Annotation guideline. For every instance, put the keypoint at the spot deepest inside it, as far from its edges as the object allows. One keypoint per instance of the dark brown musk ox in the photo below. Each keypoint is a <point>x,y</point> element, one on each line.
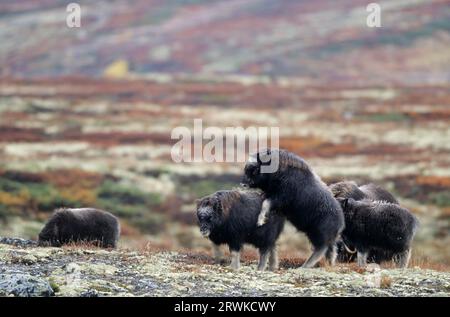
<point>74,225</point>
<point>229,217</point>
<point>297,192</point>
<point>350,189</point>
<point>378,225</point>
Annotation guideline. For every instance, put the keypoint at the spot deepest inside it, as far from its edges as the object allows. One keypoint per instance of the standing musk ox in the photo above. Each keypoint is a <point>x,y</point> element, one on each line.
<point>80,225</point>
<point>229,217</point>
<point>379,225</point>
<point>349,189</point>
<point>295,191</point>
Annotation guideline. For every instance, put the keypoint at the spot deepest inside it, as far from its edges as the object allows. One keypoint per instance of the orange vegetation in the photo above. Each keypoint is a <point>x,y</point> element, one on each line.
<point>438,181</point>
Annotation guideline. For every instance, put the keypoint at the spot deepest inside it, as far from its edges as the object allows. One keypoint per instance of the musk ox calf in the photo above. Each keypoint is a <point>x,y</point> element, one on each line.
<point>295,191</point>
<point>349,189</point>
<point>229,217</point>
<point>80,225</point>
<point>377,225</point>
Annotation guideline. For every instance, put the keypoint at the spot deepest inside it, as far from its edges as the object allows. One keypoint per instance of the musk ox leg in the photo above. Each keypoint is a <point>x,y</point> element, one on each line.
<point>235,259</point>
<point>402,259</point>
<point>263,258</point>
<point>362,257</point>
<point>273,259</point>
<point>331,255</point>
<point>217,253</point>
<point>315,257</point>
<point>265,209</point>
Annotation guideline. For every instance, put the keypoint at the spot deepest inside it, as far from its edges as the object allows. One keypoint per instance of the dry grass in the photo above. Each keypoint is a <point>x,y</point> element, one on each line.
<point>136,115</point>
<point>84,245</point>
<point>424,264</point>
<point>385,282</point>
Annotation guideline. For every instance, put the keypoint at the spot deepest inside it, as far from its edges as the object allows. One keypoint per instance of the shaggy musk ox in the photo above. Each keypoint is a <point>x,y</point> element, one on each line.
<point>349,189</point>
<point>295,191</point>
<point>80,225</point>
<point>229,217</point>
<point>379,225</point>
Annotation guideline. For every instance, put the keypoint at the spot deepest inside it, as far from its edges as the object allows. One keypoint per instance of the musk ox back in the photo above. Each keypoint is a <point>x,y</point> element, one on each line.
<point>378,225</point>
<point>230,216</point>
<point>81,225</point>
<point>349,189</point>
<point>295,191</point>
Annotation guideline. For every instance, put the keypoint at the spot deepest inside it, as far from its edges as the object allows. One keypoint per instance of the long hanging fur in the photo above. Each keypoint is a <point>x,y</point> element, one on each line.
<point>379,225</point>
<point>298,193</point>
<point>229,217</point>
<point>350,189</point>
<point>68,225</point>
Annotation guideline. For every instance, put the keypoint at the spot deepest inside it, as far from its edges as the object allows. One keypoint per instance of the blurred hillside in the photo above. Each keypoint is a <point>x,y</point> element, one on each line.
<point>84,142</point>
<point>311,41</point>
<point>86,114</point>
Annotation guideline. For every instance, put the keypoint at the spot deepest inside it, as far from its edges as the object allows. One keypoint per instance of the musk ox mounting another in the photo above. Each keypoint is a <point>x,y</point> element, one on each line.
<point>349,189</point>
<point>81,225</point>
<point>377,225</point>
<point>295,191</point>
<point>230,216</point>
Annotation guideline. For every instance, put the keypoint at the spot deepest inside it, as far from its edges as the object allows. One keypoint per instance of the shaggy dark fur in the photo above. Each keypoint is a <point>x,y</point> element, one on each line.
<point>379,225</point>
<point>229,217</point>
<point>81,225</point>
<point>349,189</point>
<point>297,192</point>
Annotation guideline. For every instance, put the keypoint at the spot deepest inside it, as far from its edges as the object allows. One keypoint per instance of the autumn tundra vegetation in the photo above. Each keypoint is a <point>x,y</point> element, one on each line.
<point>105,144</point>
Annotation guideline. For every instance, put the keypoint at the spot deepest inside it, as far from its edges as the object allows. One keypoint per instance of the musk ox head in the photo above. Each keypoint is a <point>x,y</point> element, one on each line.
<point>48,234</point>
<point>256,177</point>
<point>210,213</point>
<point>344,189</point>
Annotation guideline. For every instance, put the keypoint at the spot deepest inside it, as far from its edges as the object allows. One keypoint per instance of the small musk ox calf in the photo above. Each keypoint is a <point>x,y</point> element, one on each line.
<point>80,224</point>
<point>379,225</point>
<point>349,189</point>
<point>229,217</point>
<point>295,191</point>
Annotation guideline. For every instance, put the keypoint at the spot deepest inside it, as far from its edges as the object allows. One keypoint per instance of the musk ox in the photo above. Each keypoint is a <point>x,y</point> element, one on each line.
<point>349,189</point>
<point>378,225</point>
<point>229,217</point>
<point>295,191</point>
<point>68,225</point>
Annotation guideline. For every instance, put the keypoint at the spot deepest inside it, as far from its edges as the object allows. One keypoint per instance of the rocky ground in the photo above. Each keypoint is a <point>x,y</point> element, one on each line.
<point>27,270</point>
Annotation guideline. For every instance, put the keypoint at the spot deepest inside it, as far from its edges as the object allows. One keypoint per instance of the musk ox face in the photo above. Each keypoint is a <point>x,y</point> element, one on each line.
<point>253,177</point>
<point>43,239</point>
<point>344,189</point>
<point>208,214</point>
<point>48,235</point>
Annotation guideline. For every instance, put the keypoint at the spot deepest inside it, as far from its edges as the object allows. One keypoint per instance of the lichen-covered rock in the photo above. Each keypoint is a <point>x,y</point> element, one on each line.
<point>24,285</point>
<point>18,242</point>
<point>93,272</point>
